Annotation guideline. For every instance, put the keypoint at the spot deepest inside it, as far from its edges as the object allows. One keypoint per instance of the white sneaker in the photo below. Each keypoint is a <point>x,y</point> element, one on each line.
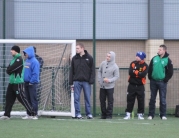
<point>4,118</point>
<point>127,117</point>
<point>35,117</point>
<point>149,118</point>
<point>140,117</point>
<point>164,118</point>
<point>27,117</point>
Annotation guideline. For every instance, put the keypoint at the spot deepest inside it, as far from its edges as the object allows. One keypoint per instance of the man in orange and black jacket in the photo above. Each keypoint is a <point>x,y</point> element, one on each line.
<point>137,78</point>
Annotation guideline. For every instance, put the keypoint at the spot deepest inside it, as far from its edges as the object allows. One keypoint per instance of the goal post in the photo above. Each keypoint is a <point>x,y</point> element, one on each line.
<point>54,93</point>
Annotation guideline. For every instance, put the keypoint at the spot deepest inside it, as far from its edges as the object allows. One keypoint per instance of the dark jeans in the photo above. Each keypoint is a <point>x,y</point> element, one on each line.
<point>154,87</point>
<point>133,92</point>
<point>31,94</point>
<point>106,94</point>
<point>13,91</point>
<point>78,85</point>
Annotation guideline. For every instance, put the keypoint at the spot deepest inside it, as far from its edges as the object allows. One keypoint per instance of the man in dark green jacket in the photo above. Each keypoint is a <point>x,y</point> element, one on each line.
<point>159,73</point>
<point>16,82</point>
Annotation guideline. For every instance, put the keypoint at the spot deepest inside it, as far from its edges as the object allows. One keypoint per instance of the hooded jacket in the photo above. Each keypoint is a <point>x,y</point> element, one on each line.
<point>32,67</point>
<point>160,68</point>
<point>110,70</point>
<point>15,70</point>
<point>82,69</point>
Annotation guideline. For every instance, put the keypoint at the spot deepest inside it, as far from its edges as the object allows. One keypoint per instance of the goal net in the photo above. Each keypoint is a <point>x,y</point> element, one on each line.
<point>54,93</point>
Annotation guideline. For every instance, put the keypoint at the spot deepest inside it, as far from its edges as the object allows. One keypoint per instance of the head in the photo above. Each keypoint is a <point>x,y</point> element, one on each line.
<point>80,48</point>
<point>29,52</point>
<point>110,57</point>
<point>15,50</point>
<point>162,49</point>
<point>140,56</point>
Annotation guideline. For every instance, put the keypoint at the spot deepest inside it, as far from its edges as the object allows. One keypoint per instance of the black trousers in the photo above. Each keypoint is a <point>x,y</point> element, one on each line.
<point>106,94</point>
<point>133,92</point>
<point>13,91</point>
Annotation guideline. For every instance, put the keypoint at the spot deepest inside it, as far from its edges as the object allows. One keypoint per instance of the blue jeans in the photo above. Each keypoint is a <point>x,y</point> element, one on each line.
<point>154,87</point>
<point>78,85</point>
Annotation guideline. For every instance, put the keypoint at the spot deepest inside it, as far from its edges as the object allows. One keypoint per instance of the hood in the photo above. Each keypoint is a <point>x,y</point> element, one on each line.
<point>112,60</point>
<point>30,52</point>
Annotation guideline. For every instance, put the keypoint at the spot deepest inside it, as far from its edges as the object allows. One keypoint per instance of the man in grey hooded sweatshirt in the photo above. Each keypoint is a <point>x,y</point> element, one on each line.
<point>108,73</point>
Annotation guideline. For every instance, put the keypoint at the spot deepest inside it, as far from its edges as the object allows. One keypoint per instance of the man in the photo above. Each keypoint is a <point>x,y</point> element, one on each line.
<point>137,78</point>
<point>160,71</point>
<point>108,73</point>
<point>82,75</point>
<point>16,84</point>
<point>31,78</point>
<point>41,62</point>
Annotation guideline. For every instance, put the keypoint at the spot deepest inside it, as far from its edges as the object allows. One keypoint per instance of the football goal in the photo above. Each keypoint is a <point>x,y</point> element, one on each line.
<point>55,97</point>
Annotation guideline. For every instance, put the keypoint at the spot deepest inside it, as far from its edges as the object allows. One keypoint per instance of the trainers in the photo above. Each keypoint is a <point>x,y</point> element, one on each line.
<point>127,117</point>
<point>4,118</point>
<point>89,117</point>
<point>149,118</point>
<point>164,118</point>
<point>35,117</point>
<point>27,117</point>
<point>140,117</point>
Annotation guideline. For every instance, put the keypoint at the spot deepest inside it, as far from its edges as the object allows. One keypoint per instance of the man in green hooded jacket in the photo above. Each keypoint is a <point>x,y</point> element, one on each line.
<point>16,82</point>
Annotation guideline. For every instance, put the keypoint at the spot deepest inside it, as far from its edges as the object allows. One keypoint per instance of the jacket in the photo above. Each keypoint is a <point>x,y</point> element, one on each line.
<point>167,68</point>
<point>137,72</point>
<point>110,70</point>
<point>82,69</point>
<point>15,70</point>
<point>32,67</point>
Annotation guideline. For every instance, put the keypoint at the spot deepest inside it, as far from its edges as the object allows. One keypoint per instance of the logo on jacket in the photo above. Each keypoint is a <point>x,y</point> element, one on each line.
<point>17,60</point>
<point>87,59</point>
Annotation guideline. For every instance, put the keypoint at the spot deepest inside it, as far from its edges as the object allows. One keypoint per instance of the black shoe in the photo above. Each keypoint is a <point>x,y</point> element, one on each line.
<point>89,117</point>
<point>103,117</point>
<point>108,117</point>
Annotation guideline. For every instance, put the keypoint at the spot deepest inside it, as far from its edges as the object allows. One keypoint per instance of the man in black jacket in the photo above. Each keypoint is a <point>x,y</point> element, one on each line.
<point>82,75</point>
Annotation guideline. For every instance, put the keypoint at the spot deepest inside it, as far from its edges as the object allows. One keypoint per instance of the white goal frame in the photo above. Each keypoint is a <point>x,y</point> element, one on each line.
<point>42,112</point>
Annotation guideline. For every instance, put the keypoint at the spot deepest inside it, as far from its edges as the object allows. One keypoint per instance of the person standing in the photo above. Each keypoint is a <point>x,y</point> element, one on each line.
<point>16,84</point>
<point>137,78</point>
<point>41,62</point>
<point>108,73</point>
<point>31,78</point>
<point>82,75</point>
<point>160,71</point>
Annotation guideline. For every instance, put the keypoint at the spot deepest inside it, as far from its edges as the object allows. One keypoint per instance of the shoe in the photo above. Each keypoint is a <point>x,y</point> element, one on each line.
<point>108,117</point>
<point>164,118</point>
<point>35,117</point>
<point>127,117</point>
<point>103,117</point>
<point>78,117</point>
<point>27,117</point>
<point>149,118</point>
<point>89,117</point>
<point>140,117</point>
<point>4,118</point>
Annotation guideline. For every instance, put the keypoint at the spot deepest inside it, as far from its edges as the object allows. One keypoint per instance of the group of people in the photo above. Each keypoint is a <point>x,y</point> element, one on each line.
<point>82,75</point>
<point>23,76</point>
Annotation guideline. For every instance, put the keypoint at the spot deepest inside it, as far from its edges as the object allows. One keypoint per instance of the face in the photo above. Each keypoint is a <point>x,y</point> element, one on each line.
<point>79,49</point>
<point>138,58</point>
<point>161,51</point>
<point>108,57</point>
<point>25,55</point>
<point>13,53</point>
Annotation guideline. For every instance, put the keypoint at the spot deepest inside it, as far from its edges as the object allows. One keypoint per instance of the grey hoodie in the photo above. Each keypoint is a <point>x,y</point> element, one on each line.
<point>108,70</point>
